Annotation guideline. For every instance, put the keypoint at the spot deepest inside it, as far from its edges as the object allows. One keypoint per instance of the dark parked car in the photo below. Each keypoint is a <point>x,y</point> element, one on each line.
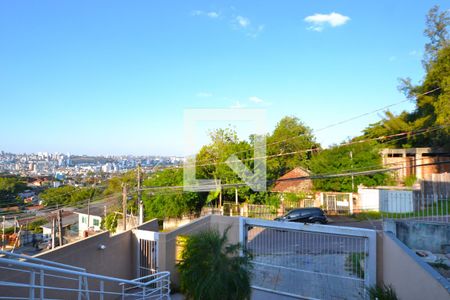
<point>305,215</point>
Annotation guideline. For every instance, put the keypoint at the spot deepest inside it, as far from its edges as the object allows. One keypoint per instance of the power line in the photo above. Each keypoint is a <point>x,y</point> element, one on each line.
<point>316,176</point>
<point>405,134</point>
<point>341,122</point>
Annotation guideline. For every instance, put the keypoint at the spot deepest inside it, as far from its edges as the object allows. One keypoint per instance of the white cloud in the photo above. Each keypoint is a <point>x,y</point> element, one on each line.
<point>259,101</point>
<point>319,21</point>
<point>242,21</point>
<point>415,53</point>
<point>255,99</point>
<point>203,94</point>
<point>209,14</point>
<point>237,104</point>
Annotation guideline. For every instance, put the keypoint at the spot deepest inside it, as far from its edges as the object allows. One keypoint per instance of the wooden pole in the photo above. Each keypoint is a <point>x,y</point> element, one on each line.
<point>124,206</point>
<point>139,196</point>
<point>60,227</point>
<point>53,231</point>
<point>3,234</point>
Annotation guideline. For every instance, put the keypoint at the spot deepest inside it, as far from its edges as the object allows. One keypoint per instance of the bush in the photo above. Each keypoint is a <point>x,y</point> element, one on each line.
<point>110,222</point>
<point>385,292</point>
<point>410,180</point>
<point>212,269</point>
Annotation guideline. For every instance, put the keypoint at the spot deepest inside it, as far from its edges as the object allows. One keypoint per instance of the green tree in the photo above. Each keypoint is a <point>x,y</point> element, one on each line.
<point>338,160</point>
<point>9,188</point>
<point>169,202</point>
<point>110,222</point>
<point>290,135</point>
<point>431,96</point>
<point>211,269</point>
<point>211,160</point>
<point>66,195</point>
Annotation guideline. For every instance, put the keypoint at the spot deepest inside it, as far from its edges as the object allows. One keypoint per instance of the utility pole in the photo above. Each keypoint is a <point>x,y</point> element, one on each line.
<point>53,231</point>
<point>60,227</point>
<point>15,224</point>
<point>89,206</point>
<point>139,196</point>
<point>124,205</point>
<point>353,182</point>
<point>3,234</point>
<point>236,196</point>
<point>220,197</point>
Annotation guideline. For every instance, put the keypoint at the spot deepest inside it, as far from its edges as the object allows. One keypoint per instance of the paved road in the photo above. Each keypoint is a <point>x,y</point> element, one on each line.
<point>351,222</point>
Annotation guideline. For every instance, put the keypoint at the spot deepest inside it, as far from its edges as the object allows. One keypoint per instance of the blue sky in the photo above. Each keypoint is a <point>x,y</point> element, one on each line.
<point>114,77</point>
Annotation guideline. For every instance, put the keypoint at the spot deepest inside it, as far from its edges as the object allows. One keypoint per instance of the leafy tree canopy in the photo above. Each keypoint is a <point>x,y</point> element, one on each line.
<point>431,96</point>
<point>66,195</point>
<point>290,135</point>
<point>168,202</point>
<point>364,156</point>
<point>9,188</point>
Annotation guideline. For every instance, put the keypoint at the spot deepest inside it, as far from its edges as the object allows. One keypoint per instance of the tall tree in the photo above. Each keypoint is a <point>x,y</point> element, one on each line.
<point>292,140</point>
<point>432,96</point>
<point>347,159</point>
<point>169,202</point>
<point>211,159</point>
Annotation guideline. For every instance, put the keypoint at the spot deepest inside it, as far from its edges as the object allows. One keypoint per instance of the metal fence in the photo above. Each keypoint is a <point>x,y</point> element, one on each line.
<point>264,212</point>
<point>310,261</point>
<point>432,207</point>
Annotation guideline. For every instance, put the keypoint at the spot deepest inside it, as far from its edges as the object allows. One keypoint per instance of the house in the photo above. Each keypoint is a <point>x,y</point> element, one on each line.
<point>291,183</point>
<point>69,224</point>
<point>90,220</point>
<point>418,162</point>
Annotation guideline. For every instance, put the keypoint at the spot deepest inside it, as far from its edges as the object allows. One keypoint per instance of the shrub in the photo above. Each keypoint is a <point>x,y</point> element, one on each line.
<point>210,268</point>
<point>384,292</point>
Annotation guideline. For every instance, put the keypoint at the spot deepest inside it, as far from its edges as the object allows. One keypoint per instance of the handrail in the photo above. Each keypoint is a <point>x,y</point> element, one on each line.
<point>72,272</point>
<point>30,258</point>
<point>152,275</point>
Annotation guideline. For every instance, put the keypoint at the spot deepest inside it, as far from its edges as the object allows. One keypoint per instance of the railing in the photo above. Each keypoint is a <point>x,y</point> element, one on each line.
<point>41,279</point>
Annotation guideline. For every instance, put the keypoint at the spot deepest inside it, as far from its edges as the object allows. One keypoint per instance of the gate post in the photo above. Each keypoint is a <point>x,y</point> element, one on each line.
<point>371,278</point>
<point>242,235</point>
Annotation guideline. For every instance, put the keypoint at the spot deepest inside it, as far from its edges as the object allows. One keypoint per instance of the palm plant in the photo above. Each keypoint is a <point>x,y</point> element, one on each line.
<point>210,268</point>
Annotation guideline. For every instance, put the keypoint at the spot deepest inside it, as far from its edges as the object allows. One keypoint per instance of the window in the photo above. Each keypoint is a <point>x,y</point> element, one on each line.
<point>83,220</point>
<point>96,222</point>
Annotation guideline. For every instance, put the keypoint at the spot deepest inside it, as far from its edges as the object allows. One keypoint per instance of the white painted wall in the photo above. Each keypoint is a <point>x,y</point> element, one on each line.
<point>94,223</point>
<point>393,201</point>
<point>369,199</point>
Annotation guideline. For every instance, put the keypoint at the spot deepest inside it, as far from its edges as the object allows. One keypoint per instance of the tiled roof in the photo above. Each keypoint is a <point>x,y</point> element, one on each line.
<point>295,185</point>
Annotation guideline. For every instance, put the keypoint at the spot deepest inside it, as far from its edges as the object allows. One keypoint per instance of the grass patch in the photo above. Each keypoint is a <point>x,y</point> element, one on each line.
<point>371,215</point>
<point>438,208</point>
<point>354,263</point>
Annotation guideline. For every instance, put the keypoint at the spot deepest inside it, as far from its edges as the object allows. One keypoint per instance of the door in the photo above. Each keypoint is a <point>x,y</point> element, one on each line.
<point>147,252</point>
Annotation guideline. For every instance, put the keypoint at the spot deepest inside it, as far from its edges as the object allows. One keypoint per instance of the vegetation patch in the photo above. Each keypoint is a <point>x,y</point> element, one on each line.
<point>355,263</point>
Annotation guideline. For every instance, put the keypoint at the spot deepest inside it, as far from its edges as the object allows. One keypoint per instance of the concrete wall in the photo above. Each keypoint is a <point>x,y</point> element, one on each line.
<point>423,235</point>
<point>168,240</point>
<point>151,225</point>
<point>410,277</point>
<point>114,261</point>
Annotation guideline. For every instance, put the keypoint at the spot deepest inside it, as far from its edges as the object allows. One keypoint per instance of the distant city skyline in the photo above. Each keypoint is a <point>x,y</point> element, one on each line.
<point>114,78</point>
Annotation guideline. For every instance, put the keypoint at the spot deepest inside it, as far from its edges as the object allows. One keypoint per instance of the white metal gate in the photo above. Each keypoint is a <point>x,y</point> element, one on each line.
<point>310,261</point>
<point>147,252</point>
